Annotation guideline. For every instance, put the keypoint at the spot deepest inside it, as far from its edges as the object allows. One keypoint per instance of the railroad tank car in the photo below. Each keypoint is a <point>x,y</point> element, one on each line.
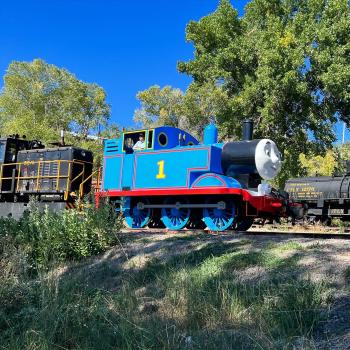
<point>178,182</point>
<point>56,176</point>
<point>322,197</point>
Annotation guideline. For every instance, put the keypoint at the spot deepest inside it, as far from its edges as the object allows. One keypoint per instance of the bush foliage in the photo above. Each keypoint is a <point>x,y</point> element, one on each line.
<point>48,237</point>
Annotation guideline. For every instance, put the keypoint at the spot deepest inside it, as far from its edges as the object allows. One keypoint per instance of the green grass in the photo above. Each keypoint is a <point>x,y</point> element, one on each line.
<point>216,296</point>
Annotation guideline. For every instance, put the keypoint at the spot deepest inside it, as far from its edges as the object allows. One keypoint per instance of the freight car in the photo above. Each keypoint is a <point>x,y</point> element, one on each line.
<point>321,197</point>
<point>55,176</point>
<point>178,182</point>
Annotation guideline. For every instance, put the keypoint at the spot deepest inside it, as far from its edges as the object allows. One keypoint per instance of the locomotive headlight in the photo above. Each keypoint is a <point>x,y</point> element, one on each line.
<point>267,159</point>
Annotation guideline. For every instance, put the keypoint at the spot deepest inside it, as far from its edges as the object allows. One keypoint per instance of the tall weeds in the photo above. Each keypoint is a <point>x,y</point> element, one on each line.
<point>48,237</point>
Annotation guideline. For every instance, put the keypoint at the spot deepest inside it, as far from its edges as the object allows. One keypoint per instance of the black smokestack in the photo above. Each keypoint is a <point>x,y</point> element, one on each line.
<point>247,130</point>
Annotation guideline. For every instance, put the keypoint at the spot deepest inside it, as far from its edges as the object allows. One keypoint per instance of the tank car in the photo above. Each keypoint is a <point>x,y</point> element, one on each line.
<point>179,182</point>
<point>56,176</point>
<point>321,197</point>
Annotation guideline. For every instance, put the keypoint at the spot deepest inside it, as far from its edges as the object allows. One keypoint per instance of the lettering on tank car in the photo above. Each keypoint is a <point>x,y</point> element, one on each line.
<point>303,190</point>
<point>296,187</point>
<point>336,211</point>
<point>307,189</point>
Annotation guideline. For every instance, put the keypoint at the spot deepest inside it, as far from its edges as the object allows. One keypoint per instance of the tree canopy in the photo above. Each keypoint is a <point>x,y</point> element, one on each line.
<point>39,99</point>
<point>170,106</point>
<point>284,63</point>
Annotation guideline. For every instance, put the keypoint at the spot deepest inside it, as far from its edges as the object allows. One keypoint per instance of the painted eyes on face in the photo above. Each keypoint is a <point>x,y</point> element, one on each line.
<point>268,149</point>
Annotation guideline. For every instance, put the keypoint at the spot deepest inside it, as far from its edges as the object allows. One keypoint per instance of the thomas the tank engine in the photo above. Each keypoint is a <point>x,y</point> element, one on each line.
<point>177,181</point>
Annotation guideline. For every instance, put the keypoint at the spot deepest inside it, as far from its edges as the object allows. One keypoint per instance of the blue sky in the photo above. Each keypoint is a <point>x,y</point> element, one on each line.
<point>124,46</point>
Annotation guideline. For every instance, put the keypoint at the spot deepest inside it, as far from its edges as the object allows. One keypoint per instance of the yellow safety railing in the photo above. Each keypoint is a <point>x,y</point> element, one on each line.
<point>81,187</point>
<point>38,177</point>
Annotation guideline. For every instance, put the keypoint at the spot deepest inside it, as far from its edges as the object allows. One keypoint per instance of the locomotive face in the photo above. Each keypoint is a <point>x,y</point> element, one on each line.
<point>267,159</point>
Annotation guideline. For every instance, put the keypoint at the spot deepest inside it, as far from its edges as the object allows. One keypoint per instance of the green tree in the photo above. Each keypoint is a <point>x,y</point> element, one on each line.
<point>160,107</point>
<point>40,99</point>
<point>169,106</point>
<point>319,165</point>
<point>202,103</point>
<point>342,155</point>
<point>286,64</point>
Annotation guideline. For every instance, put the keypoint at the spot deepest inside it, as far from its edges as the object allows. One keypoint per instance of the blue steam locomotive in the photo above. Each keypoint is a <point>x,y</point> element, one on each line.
<point>174,180</point>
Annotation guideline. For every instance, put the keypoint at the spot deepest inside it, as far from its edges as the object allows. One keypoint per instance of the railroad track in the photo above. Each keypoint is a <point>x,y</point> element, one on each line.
<point>306,234</point>
<point>331,233</point>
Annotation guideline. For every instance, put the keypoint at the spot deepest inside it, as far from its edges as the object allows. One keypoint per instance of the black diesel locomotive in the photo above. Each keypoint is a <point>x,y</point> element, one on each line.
<point>55,176</point>
<point>321,197</point>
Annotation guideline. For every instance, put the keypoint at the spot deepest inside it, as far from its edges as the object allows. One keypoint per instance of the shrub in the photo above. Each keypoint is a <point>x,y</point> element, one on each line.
<point>49,237</point>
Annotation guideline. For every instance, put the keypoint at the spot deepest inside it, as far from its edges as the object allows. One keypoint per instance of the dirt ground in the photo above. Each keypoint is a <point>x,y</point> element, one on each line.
<point>320,259</point>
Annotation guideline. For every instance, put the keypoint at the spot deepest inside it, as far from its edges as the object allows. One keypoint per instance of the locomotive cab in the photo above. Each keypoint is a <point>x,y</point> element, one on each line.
<point>160,138</point>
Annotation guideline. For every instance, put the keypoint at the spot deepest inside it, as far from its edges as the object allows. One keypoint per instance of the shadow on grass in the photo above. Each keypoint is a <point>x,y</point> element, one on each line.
<point>217,295</point>
<point>159,268</point>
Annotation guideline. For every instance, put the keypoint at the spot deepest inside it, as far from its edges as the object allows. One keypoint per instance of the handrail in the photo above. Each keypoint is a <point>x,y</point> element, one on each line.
<point>39,166</point>
<point>58,176</point>
<point>80,174</point>
<point>81,187</point>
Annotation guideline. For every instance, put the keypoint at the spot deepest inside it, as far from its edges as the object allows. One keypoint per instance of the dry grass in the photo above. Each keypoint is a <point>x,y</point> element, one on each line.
<point>171,292</point>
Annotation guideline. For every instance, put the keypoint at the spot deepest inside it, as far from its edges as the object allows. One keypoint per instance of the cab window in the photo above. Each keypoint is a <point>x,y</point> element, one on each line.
<point>134,141</point>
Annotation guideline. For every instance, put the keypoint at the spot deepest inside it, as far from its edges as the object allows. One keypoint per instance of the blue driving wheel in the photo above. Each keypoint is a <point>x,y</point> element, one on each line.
<point>136,216</point>
<point>219,219</point>
<point>175,218</point>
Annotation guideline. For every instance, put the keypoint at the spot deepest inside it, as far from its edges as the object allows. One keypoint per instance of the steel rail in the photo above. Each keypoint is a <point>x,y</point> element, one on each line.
<point>304,234</point>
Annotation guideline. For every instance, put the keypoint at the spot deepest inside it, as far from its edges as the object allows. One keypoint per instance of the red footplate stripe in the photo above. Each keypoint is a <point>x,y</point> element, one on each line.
<point>170,192</point>
<point>267,204</point>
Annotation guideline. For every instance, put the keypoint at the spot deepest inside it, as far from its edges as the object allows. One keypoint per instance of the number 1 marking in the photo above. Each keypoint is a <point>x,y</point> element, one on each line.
<point>161,174</point>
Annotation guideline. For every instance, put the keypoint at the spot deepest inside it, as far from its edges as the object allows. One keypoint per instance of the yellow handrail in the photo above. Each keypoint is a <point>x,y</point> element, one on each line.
<point>80,174</point>
<point>81,187</point>
<point>19,171</point>
<point>58,175</point>
<point>68,180</point>
<point>39,176</point>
